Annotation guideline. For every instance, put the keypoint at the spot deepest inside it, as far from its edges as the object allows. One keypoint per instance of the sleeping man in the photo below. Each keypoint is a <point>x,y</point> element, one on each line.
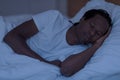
<point>53,39</point>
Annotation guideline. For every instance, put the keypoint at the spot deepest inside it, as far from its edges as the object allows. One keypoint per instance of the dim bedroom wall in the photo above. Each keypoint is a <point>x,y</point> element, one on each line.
<point>13,7</point>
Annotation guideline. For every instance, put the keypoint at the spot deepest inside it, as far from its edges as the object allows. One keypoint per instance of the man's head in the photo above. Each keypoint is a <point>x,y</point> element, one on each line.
<point>91,13</point>
<point>93,25</point>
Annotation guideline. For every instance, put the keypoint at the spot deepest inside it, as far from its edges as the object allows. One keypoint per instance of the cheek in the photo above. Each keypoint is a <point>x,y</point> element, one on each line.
<point>95,38</point>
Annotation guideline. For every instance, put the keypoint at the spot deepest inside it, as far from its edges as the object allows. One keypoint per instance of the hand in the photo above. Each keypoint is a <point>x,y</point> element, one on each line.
<point>100,41</point>
<point>56,62</point>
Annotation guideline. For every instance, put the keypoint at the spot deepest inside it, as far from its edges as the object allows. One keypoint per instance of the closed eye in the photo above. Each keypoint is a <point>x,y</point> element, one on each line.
<point>98,33</point>
<point>92,25</point>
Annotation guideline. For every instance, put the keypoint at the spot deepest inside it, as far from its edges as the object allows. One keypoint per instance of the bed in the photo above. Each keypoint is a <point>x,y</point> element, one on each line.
<point>104,65</point>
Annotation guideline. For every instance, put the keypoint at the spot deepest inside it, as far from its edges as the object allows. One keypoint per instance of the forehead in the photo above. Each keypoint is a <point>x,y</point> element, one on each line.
<point>98,19</point>
<point>100,22</point>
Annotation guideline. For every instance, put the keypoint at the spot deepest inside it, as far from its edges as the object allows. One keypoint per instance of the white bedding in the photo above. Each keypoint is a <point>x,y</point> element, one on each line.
<point>104,65</point>
<point>18,67</point>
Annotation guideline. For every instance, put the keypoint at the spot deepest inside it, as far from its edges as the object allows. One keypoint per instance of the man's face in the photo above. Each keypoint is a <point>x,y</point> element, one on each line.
<point>92,29</point>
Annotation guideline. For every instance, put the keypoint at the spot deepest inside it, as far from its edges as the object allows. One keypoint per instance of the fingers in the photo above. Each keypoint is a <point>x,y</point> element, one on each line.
<point>105,36</point>
<point>108,32</point>
<point>101,39</point>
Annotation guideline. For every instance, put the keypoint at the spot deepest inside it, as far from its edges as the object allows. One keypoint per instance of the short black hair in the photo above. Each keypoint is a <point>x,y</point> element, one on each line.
<point>93,12</point>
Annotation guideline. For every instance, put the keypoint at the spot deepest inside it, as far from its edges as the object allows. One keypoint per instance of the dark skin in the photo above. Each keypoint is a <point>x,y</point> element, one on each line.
<point>87,31</point>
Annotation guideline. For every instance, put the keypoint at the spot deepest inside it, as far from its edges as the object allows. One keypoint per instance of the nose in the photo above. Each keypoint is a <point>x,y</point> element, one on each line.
<point>92,33</point>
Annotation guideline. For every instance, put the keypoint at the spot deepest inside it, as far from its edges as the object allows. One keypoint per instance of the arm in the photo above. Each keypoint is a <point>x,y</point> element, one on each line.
<point>77,61</point>
<point>16,39</point>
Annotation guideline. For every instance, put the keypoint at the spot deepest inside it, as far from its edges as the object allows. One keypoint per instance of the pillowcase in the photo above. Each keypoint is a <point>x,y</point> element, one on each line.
<point>104,65</point>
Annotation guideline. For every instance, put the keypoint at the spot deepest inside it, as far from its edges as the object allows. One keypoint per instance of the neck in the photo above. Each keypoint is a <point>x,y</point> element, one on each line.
<point>72,37</point>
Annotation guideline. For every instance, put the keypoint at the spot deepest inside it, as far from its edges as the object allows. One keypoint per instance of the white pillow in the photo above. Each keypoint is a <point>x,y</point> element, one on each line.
<point>93,4</point>
<point>104,65</point>
<point>3,47</point>
<point>15,20</point>
<point>2,28</point>
<point>8,22</point>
